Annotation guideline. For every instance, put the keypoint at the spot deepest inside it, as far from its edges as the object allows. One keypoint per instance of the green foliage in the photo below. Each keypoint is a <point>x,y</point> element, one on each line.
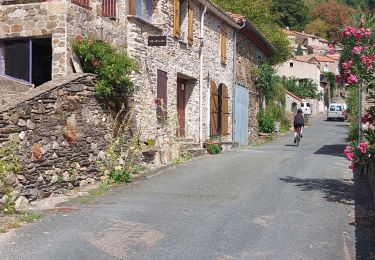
<point>303,89</point>
<point>318,27</point>
<point>120,175</point>
<point>264,80</point>
<point>299,51</point>
<point>331,79</point>
<point>112,66</point>
<point>30,216</point>
<point>291,13</point>
<point>10,163</point>
<point>266,122</point>
<point>185,156</point>
<point>214,148</point>
<point>260,14</point>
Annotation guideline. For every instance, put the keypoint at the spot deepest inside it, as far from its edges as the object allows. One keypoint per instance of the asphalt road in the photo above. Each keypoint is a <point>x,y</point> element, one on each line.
<point>274,201</point>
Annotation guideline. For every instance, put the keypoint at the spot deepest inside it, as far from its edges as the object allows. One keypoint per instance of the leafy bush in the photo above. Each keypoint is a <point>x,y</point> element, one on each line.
<point>266,122</point>
<point>120,175</point>
<point>214,148</point>
<point>113,67</point>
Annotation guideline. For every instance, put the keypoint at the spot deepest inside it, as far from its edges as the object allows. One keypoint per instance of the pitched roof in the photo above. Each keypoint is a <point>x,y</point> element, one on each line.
<point>291,94</point>
<point>322,58</point>
<point>295,33</point>
<point>334,56</point>
<point>253,34</point>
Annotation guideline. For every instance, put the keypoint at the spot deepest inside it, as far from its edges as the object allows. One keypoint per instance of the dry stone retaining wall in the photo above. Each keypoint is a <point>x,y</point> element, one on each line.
<point>46,122</point>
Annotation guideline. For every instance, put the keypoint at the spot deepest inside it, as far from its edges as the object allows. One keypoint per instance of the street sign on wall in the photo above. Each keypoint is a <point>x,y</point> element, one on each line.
<point>157,41</point>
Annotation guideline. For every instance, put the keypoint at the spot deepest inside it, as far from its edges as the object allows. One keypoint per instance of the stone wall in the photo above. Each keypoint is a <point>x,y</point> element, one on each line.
<point>62,130</point>
<point>61,21</point>
<point>180,60</point>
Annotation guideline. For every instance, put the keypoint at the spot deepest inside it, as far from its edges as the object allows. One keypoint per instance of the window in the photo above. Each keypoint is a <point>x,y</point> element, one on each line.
<point>109,8</point>
<point>332,108</point>
<point>223,43</point>
<point>190,24</point>
<point>141,8</point>
<point>307,104</point>
<point>291,64</point>
<point>161,94</point>
<point>81,3</point>
<point>28,60</point>
<point>302,105</point>
<point>338,108</point>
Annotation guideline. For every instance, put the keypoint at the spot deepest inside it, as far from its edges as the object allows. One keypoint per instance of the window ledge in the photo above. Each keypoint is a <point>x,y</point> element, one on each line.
<point>138,19</point>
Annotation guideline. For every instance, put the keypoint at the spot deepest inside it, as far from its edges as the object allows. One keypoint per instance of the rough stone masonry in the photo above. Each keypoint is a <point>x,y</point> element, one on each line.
<point>52,160</point>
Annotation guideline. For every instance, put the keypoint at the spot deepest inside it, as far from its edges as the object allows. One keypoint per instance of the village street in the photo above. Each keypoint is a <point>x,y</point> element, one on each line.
<point>274,201</point>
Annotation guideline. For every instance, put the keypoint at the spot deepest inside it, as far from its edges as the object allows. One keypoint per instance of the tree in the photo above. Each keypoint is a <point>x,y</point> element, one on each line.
<point>318,27</point>
<point>290,13</point>
<point>334,14</point>
<point>259,13</point>
<point>301,88</point>
<point>299,51</point>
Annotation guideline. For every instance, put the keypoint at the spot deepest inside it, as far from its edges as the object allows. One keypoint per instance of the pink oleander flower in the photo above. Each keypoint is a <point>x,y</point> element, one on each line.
<point>350,156</point>
<point>332,51</point>
<point>157,101</point>
<point>95,62</point>
<point>357,50</point>
<point>363,147</point>
<point>80,38</point>
<point>365,118</point>
<point>90,41</point>
<point>352,79</point>
<point>339,79</point>
<point>347,65</point>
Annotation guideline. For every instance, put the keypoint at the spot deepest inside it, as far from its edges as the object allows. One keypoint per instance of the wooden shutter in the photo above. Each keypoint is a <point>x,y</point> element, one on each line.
<point>223,43</point>
<point>162,93</point>
<point>176,18</point>
<point>214,109</point>
<point>190,24</point>
<point>224,109</point>
<point>132,7</point>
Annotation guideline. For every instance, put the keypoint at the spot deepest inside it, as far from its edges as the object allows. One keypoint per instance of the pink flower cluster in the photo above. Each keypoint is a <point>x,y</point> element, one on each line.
<point>352,79</point>
<point>363,147</point>
<point>357,50</point>
<point>357,33</point>
<point>94,62</point>
<point>80,38</point>
<point>367,119</point>
<point>349,153</point>
<point>368,61</point>
<point>157,101</point>
<point>347,65</point>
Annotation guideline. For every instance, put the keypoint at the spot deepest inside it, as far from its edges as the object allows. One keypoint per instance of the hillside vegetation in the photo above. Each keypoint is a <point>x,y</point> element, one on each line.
<point>320,17</point>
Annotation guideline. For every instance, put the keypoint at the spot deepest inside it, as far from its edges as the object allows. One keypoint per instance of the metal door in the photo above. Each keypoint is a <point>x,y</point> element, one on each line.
<point>241,115</point>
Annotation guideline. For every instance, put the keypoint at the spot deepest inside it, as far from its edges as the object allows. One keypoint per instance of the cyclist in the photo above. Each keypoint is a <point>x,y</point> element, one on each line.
<point>299,123</point>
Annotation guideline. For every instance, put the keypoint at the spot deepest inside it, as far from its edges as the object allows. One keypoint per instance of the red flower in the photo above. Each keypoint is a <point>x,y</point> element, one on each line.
<point>95,62</point>
<point>157,101</point>
<point>80,38</point>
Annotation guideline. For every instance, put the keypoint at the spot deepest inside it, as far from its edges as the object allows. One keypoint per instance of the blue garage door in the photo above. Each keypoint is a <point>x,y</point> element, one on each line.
<point>241,115</point>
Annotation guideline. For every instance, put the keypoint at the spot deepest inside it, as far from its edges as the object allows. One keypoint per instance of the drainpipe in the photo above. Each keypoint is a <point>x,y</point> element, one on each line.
<point>234,74</point>
<point>201,37</point>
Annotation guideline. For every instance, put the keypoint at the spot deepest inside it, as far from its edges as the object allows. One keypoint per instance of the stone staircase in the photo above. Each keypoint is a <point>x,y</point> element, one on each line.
<point>11,90</point>
<point>192,148</point>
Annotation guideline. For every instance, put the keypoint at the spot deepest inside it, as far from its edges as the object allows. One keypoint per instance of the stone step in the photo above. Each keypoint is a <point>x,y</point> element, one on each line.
<point>196,152</point>
<point>190,145</point>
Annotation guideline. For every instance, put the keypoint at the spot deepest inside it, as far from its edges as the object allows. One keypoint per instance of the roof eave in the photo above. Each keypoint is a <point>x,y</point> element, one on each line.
<point>259,40</point>
<point>219,13</point>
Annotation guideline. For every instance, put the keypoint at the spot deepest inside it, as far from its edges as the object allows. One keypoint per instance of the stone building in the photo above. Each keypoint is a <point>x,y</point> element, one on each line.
<point>252,49</point>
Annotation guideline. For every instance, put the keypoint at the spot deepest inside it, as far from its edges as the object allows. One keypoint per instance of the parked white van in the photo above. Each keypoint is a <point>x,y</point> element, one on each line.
<point>306,108</point>
<point>336,111</point>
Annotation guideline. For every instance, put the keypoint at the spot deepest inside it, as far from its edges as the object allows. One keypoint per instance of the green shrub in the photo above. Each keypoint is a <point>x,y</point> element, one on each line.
<point>113,67</point>
<point>353,131</point>
<point>214,148</point>
<point>120,175</point>
<point>266,122</point>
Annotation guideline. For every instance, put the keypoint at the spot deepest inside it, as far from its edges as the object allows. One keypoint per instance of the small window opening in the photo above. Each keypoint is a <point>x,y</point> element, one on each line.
<point>291,64</point>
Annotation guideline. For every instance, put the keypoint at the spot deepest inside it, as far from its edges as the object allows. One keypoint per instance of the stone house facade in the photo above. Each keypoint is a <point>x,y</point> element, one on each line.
<point>192,75</point>
<point>196,60</point>
<point>252,49</point>
<point>38,35</point>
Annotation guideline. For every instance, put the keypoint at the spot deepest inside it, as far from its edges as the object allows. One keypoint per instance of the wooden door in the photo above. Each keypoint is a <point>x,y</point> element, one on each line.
<point>181,104</point>
<point>214,109</point>
<point>223,110</point>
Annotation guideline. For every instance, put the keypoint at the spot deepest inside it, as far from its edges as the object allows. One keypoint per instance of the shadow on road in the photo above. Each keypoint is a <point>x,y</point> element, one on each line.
<point>291,145</point>
<point>333,150</point>
<point>349,192</point>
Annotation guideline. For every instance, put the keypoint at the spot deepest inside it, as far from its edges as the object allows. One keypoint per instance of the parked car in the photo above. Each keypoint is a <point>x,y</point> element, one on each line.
<point>336,111</point>
<point>306,108</point>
